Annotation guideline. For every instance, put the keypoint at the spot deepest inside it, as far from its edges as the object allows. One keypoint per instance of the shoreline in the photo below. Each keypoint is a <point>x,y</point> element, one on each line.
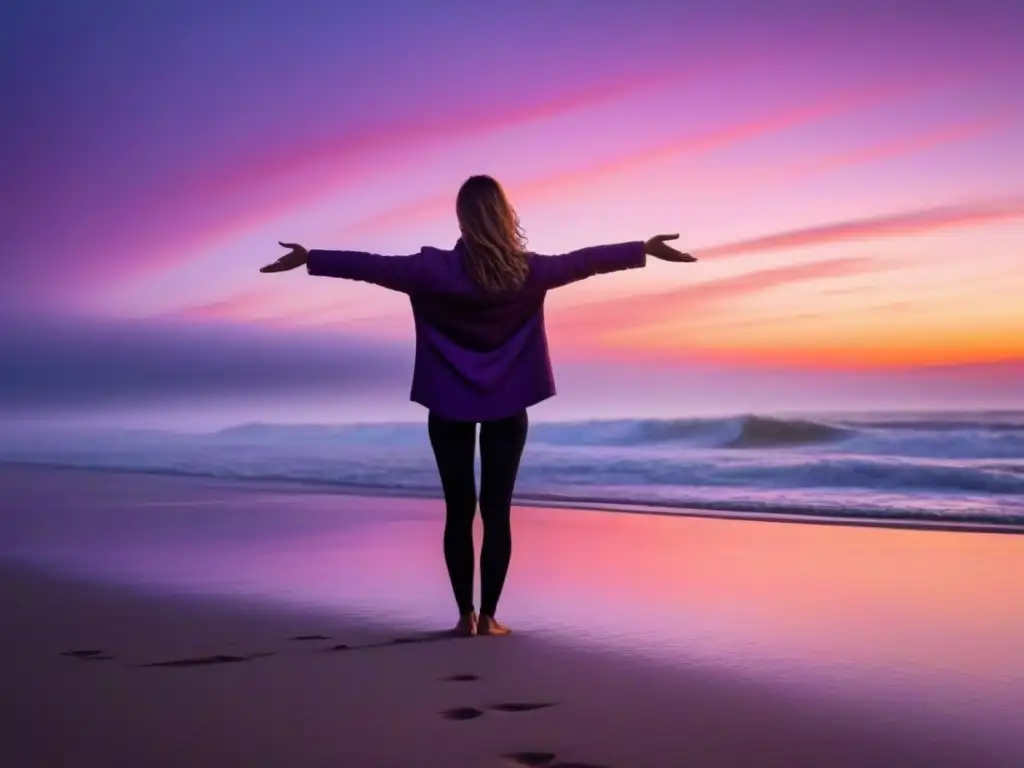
<point>540,501</point>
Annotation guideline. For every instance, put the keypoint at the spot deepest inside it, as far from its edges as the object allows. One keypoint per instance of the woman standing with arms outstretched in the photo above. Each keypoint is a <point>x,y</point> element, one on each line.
<point>481,358</point>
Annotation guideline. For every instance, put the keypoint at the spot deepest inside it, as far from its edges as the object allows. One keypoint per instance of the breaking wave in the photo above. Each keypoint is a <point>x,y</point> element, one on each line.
<point>964,466</point>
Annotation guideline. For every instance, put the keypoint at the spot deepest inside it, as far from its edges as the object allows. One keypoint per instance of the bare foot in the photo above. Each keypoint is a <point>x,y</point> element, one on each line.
<point>467,626</point>
<point>488,625</point>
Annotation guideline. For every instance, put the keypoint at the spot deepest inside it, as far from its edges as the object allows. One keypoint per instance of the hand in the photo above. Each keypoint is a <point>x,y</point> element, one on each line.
<point>656,247</point>
<point>297,257</point>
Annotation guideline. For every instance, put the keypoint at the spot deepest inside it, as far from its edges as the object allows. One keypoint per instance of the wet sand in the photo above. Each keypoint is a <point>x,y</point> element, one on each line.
<point>715,643</point>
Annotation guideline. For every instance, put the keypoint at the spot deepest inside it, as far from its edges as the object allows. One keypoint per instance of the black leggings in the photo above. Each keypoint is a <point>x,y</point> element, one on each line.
<point>501,446</point>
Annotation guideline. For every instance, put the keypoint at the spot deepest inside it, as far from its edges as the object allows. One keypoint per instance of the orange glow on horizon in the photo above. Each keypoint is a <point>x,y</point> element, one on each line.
<point>846,352</point>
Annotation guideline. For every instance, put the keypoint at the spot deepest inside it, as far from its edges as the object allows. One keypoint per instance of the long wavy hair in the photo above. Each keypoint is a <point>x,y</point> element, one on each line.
<point>493,236</point>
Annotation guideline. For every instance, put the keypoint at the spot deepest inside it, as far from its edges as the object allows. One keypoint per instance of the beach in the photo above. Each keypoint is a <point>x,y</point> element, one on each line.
<point>164,621</point>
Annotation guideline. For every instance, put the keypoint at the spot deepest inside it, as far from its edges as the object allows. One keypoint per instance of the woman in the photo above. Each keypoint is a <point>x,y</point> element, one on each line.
<point>481,358</point>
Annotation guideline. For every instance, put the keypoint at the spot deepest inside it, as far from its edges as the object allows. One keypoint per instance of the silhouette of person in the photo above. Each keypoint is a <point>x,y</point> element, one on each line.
<point>481,358</point>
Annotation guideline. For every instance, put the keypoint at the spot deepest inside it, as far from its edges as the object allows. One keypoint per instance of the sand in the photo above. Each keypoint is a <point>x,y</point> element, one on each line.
<point>181,681</point>
<point>100,674</point>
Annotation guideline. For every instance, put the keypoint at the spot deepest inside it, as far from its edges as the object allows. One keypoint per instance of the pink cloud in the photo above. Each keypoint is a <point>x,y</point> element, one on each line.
<point>888,225</point>
<point>891,149</point>
<point>248,305</point>
<point>240,198</point>
<point>588,322</point>
<point>168,226</point>
<point>410,135</point>
<point>709,141</point>
<point>279,307</point>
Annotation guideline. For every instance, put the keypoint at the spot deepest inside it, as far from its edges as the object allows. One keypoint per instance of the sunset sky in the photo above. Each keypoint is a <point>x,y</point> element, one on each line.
<point>850,175</point>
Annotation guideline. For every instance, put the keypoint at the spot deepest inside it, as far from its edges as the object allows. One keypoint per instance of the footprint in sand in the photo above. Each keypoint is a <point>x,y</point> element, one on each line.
<point>462,678</point>
<point>531,759</point>
<point>429,637</point>
<point>471,713</point>
<point>544,760</point>
<point>87,654</point>
<point>382,644</point>
<point>462,713</point>
<point>203,661</point>
<point>522,706</point>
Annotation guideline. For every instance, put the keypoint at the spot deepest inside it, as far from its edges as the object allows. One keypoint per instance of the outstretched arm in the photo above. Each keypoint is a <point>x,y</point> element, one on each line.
<point>399,273</point>
<point>556,271</point>
<point>566,268</point>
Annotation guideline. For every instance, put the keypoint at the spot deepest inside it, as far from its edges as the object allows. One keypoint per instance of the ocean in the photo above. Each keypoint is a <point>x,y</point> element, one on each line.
<point>939,467</point>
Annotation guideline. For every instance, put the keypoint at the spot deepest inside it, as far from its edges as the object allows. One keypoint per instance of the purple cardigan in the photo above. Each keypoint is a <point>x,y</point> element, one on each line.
<point>478,357</point>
